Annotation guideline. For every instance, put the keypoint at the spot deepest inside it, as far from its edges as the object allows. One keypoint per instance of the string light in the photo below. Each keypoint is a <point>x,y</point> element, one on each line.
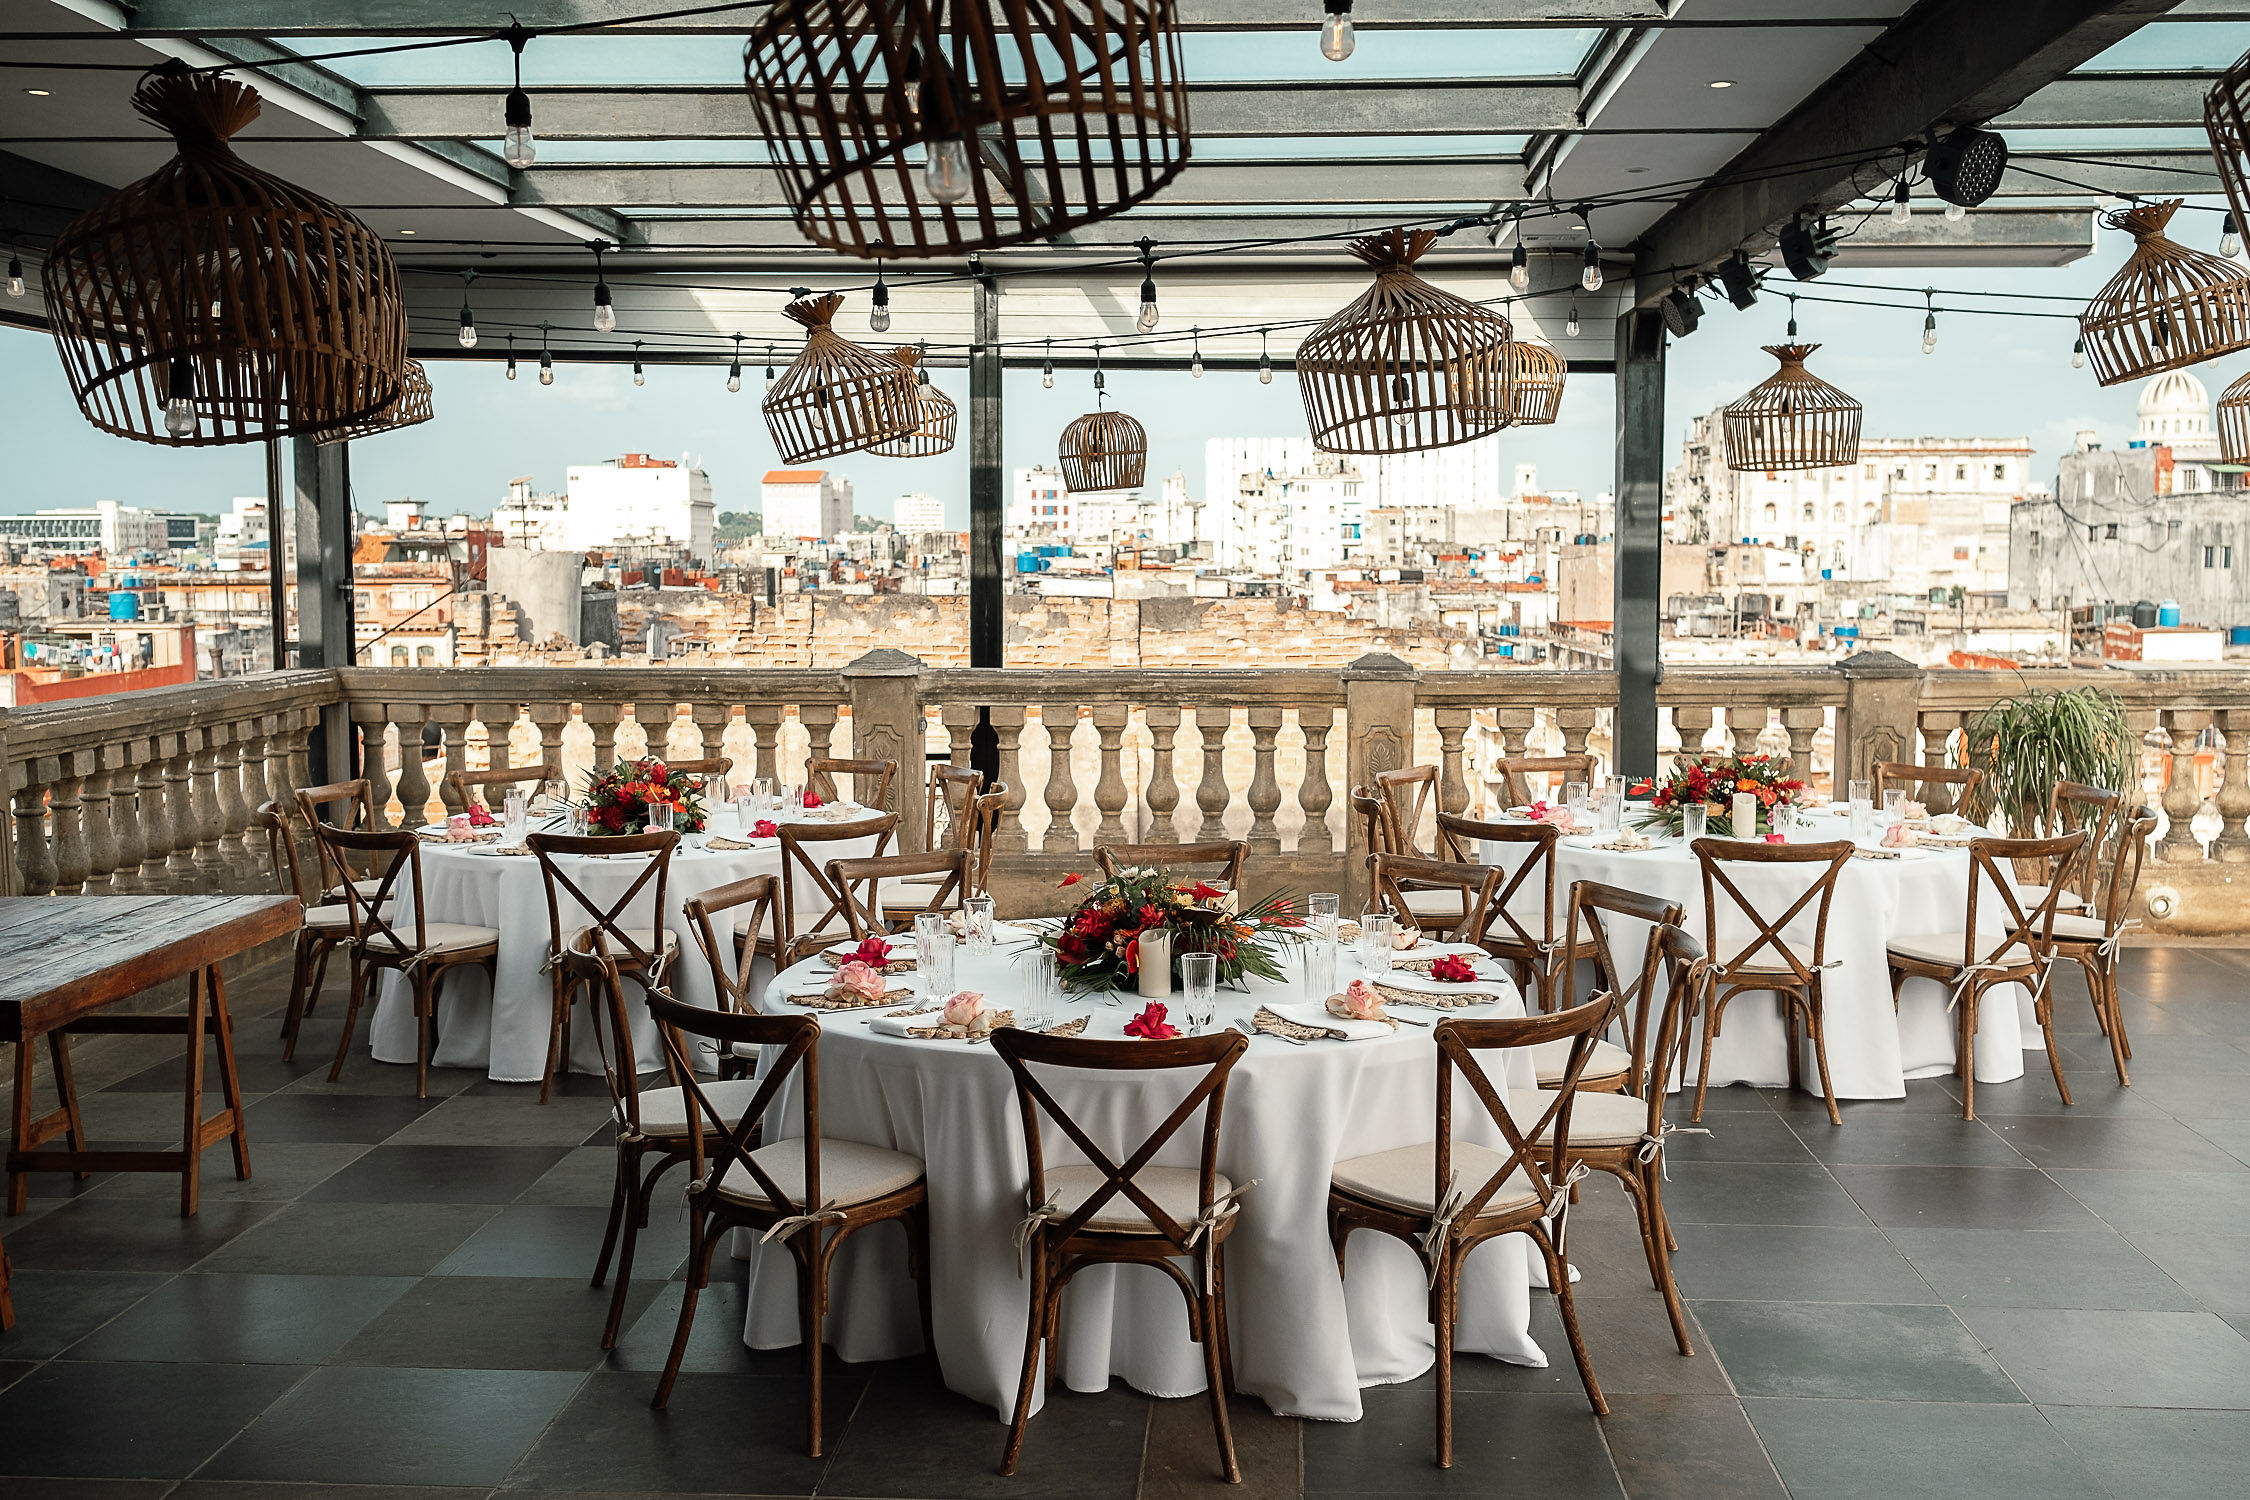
<point>1047,367</point>
<point>1792,317</point>
<point>734,371</point>
<point>546,360</point>
<point>2078,354</point>
<point>517,146</point>
<point>879,313</point>
<point>1591,277</point>
<point>1195,360</point>
<point>921,369</point>
<point>15,273</point>
<point>605,312</point>
<point>1902,212</point>
<point>511,356</point>
<point>1519,262</point>
<point>179,407</point>
<point>945,172</point>
<point>1929,322</point>
<point>640,376</point>
<point>769,362</point>
<point>1146,321</point>
<point>1265,365</point>
<point>1100,382</point>
<point>2230,236</point>
<point>1570,324</point>
<point>1955,213</point>
<point>468,334</point>
<point>1336,31</point>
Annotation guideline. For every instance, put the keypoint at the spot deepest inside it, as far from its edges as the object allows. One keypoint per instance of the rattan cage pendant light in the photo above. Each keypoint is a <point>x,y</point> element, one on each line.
<point>1540,372</point>
<point>1406,366</point>
<point>269,311</point>
<point>2234,422</point>
<point>2170,307</point>
<point>1792,420</point>
<point>837,397</point>
<point>1103,450</point>
<point>414,406</point>
<point>2226,119</point>
<point>935,127</point>
<point>933,431</point>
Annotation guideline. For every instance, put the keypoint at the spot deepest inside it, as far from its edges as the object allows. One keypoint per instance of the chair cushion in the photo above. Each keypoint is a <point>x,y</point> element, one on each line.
<point>582,941</point>
<point>1173,1188</point>
<point>1945,948</point>
<point>335,893</point>
<point>2032,895</point>
<point>438,939</point>
<point>1764,961</point>
<point>665,1111</point>
<point>1552,1059</point>
<point>1402,1178</point>
<point>849,1173</point>
<point>1595,1119</point>
<point>1443,902</point>
<point>2071,927</point>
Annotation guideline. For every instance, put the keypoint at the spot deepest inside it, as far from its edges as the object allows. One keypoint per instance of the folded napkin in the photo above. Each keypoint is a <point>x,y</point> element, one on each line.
<point>1316,1018</point>
<point>816,997</point>
<point>1401,988</point>
<point>718,842</point>
<point>1875,854</point>
<point>500,849</point>
<point>905,1022</point>
<point>930,1025</point>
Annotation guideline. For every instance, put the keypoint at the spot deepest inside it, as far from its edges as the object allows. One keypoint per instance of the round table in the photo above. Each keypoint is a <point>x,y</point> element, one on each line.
<point>1304,1339</point>
<point>503,1026</point>
<point>1872,1049</point>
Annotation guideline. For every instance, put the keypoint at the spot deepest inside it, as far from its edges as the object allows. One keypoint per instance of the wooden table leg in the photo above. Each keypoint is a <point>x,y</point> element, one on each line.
<point>66,1088</point>
<point>191,1135</point>
<point>19,1129</point>
<point>230,1084</point>
<point>7,1304</point>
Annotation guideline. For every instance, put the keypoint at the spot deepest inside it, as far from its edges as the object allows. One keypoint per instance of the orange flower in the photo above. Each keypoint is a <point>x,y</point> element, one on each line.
<point>1746,785</point>
<point>1072,878</point>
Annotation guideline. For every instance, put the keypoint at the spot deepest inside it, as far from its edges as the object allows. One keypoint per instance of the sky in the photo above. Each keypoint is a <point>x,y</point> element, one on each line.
<point>1990,376</point>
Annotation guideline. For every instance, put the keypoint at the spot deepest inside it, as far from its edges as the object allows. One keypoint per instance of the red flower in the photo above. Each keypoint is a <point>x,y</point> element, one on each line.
<point>1775,838</point>
<point>764,829</point>
<point>1072,878</point>
<point>652,769</point>
<point>1453,969</point>
<point>1150,1024</point>
<point>870,951</point>
<point>812,799</point>
<point>1203,892</point>
<point>1151,917</point>
<point>479,817</point>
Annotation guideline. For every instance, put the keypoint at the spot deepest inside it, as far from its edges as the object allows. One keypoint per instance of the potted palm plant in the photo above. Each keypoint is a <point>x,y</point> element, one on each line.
<point>2024,745</point>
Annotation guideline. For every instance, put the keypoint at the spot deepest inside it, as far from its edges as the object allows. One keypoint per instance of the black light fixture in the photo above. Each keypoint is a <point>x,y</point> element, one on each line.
<point>546,360</point>
<point>1740,279</point>
<point>1681,310</point>
<point>15,271</point>
<point>605,312</point>
<point>468,334</point>
<point>1265,362</point>
<point>734,371</point>
<point>1195,360</point>
<point>1519,262</point>
<point>511,356</point>
<point>640,376</point>
<point>1590,274</point>
<point>879,309</point>
<point>1806,249</point>
<point>1145,320</point>
<point>1965,168</point>
<point>517,146</point>
<point>1047,367</point>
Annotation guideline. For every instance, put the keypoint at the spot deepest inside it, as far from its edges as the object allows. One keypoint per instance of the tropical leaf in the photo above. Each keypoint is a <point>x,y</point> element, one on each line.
<point>2024,745</point>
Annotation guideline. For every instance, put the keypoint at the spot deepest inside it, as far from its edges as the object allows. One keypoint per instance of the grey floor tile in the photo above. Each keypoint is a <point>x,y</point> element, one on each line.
<point>715,1346</point>
<point>420,1427</point>
<point>279,1172</point>
<point>130,1421</point>
<point>1499,1438</point>
<point>477,1120</point>
<point>125,1235</point>
<point>492,1323</point>
<point>2230,1136</point>
<point>1182,1455</point>
<point>2165,1202</point>
<point>351,1239</point>
<point>438,1174</point>
<point>2213,1269</point>
<point>1688,1448</point>
<point>1849,1351</point>
<point>2077,1357</point>
<point>1730,1099</point>
<point>748,1432</point>
<point>2111,1142</point>
<point>1882,1450</point>
<point>1935,1140</point>
<point>582,1179</point>
<point>251,1320</point>
<point>2159,1455</point>
<point>353,1119</point>
<point>2039,1268</point>
<point>1793,1263</point>
<point>2159,1052</point>
<point>1963,1198</point>
<point>1735,1135</point>
<point>1758,1193</point>
<point>2215,1096</point>
<point>541,1241</point>
<point>2034,1094</point>
<point>55,1309</point>
<point>257,1489</point>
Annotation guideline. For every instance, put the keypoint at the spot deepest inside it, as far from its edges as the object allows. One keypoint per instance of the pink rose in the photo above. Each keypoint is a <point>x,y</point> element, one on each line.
<point>864,980</point>
<point>1403,938</point>
<point>963,1008</point>
<point>1898,836</point>
<point>1914,810</point>
<point>1361,1002</point>
<point>1776,838</point>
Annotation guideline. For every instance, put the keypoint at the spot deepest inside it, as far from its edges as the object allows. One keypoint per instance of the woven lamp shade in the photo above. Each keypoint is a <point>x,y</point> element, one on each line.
<point>1064,111</point>
<point>2226,119</point>
<point>2170,307</point>
<point>2234,422</point>
<point>1792,420</point>
<point>1539,383</point>
<point>283,307</point>
<point>933,432</point>
<point>1104,450</point>
<point>1406,366</point>
<point>837,397</point>
<point>413,406</point>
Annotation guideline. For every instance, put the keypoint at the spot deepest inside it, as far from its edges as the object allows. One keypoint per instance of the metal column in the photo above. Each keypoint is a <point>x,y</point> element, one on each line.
<point>987,506</point>
<point>323,505</point>
<point>277,556</point>
<point>1637,562</point>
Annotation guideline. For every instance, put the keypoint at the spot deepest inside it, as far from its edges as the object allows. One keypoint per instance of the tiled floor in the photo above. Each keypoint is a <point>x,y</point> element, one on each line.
<point>2049,1302</point>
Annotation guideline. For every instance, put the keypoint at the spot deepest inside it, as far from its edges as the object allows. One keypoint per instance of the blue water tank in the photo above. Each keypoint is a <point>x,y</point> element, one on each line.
<point>124,606</point>
<point>2168,613</point>
<point>2238,635</point>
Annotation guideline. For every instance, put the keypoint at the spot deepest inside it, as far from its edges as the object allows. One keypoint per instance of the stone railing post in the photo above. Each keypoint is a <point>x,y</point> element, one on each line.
<point>1379,734</point>
<point>2183,799</point>
<point>1162,796</point>
<point>1882,699</point>
<point>885,687</point>
<point>1314,794</point>
<point>2233,843</point>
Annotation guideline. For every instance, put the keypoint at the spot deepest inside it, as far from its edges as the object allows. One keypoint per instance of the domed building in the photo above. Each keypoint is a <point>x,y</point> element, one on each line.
<point>2175,412</point>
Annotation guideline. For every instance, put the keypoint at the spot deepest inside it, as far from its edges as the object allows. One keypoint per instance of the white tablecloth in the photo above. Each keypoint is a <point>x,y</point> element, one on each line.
<point>502,1026</point>
<point>1303,1339</point>
<point>1872,1051</point>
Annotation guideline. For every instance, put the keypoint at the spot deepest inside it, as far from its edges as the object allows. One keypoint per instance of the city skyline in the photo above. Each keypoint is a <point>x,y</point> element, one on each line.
<point>489,431</point>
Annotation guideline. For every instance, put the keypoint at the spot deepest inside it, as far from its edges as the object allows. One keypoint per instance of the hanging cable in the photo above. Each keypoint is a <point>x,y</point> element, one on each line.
<point>546,360</point>
<point>605,312</point>
<point>1145,320</point>
<point>517,147</point>
<point>734,371</point>
<point>468,333</point>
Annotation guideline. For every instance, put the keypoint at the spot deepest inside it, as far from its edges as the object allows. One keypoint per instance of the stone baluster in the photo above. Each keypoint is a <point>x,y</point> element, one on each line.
<point>1936,729</point>
<point>552,720</point>
<point>1575,724</point>
<point>153,819</point>
<point>960,721</point>
<point>2181,799</point>
<point>1007,726</point>
<point>601,720</point>
<point>1211,723</point>
<point>1264,795</point>
<point>1162,798</point>
<point>127,845</point>
<point>819,721</point>
<point>765,720</point>
<point>207,825</point>
<point>1314,794</point>
<point>710,718</point>
<point>1802,723</point>
<point>66,820</point>
<point>413,771</point>
<point>2233,844</point>
<point>374,720</point>
<point>1061,722</point>
<point>1110,792</point>
<point>1694,721</point>
<point>452,719</point>
<point>1515,726</point>
<point>35,859</point>
<point>231,764</point>
<point>1453,788</point>
<point>101,841</point>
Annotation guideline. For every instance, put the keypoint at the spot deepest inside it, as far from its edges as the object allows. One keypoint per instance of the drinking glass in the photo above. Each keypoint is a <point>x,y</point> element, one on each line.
<point>1320,968</point>
<point>1322,909</point>
<point>1199,982</point>
<point>660,817</point>
<point>1036,1010</point>
<point>976,917</point>
<point>1695,820</point>
<point>1894,806</point>
<point>1611,817</point>
<point>793,801</point>
<point>745,811</point>
<point>578,822</point>
<point>1575,798</point>
<point>555,793</point>
<point>1375,929</point>
<point>517,816</point>
<point>933,954</point>
<point>1784,819</point>
<point>761,792</point>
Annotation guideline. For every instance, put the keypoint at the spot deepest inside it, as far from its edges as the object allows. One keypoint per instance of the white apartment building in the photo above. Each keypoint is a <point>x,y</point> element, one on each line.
<point>636,500</point>
<point>1279,506</point>
<point>1038,497</point>
<point>244,537</point>
<point>917,514</point>
<point>534,521</point>
<point>107,527</point>
<point>806,503</point>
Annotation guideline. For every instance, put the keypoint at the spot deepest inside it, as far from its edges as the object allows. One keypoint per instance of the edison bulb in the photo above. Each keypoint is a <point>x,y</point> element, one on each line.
<point>546,372</point>
<point>1336,36</point>
<point>2078,355</point>
<point>605,317</point>
<point>517,147</point>
<point>946,174</point>
<point>468,329</point>
<point>1570,324</point>
<point>1519,266</point>
<point>2230,241</point>
<point>1265,370</point>
<point>511,367</point>
<point>1929,335</point>
<point>1955,213</point>
<point>1047,375</point>
<point>880,319</point>
<point>640,376</point>
<point>1195,367</point>
<point>179,417</point>
<point>15,275</point>
<point>1591,277</point>
<point>1902,212</point>
<point>734,378</point>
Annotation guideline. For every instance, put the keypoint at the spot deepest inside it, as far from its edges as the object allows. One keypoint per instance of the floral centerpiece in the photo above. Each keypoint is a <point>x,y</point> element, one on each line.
<point>618,800</point>
<point>1713,780</point>
<point>1097,946</point>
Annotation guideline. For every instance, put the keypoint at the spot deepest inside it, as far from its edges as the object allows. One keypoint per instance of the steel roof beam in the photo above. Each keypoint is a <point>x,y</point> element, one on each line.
<point>2092,101</point>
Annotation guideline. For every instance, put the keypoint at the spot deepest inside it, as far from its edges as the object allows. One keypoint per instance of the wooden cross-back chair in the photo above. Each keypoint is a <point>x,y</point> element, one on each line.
<point>1560,771</point>
<point>1978,956</point>
<point>2091,939</point>
<point>949,802</point>
<point>1227,855</point>
<point>1768,962</point>
<point>2074,804</point>
<point>1534,951</point>
<point>422,958</point>
<point>1595,909</point>
<point>1623,1134</point>
<point>327,925</point>
<point>1121,1210</point>
<point>1406,796</point>
<point>1960,784</point>
<point>991,807</point>
<point>1444,1197</point>
<point>461,783</point>
<point>810,1191</point>
<point>339,804</point>
<point>820,779</point>
<point>1397,877</point>
<point>733,946</point>
<point>640,953</point>
<point>804,882</point>
<point>878,898</point>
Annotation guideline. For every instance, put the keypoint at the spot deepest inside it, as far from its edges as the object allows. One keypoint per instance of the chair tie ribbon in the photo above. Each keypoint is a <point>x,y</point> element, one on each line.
<point>1652,1145</point>
<point>827,1213</point>
<point>1432,1239</point>
<point>1223,1208</point>
<point>2106,949</point>
<point>1040,1215</point>
<point>1558,1208</point>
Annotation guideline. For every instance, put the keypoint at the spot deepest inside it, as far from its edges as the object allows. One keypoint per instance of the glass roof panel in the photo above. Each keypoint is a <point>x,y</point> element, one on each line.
<point>2175,46</point>
<point>1485,54</point>
<point>2107,138</point>
<point>1245,148</point>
